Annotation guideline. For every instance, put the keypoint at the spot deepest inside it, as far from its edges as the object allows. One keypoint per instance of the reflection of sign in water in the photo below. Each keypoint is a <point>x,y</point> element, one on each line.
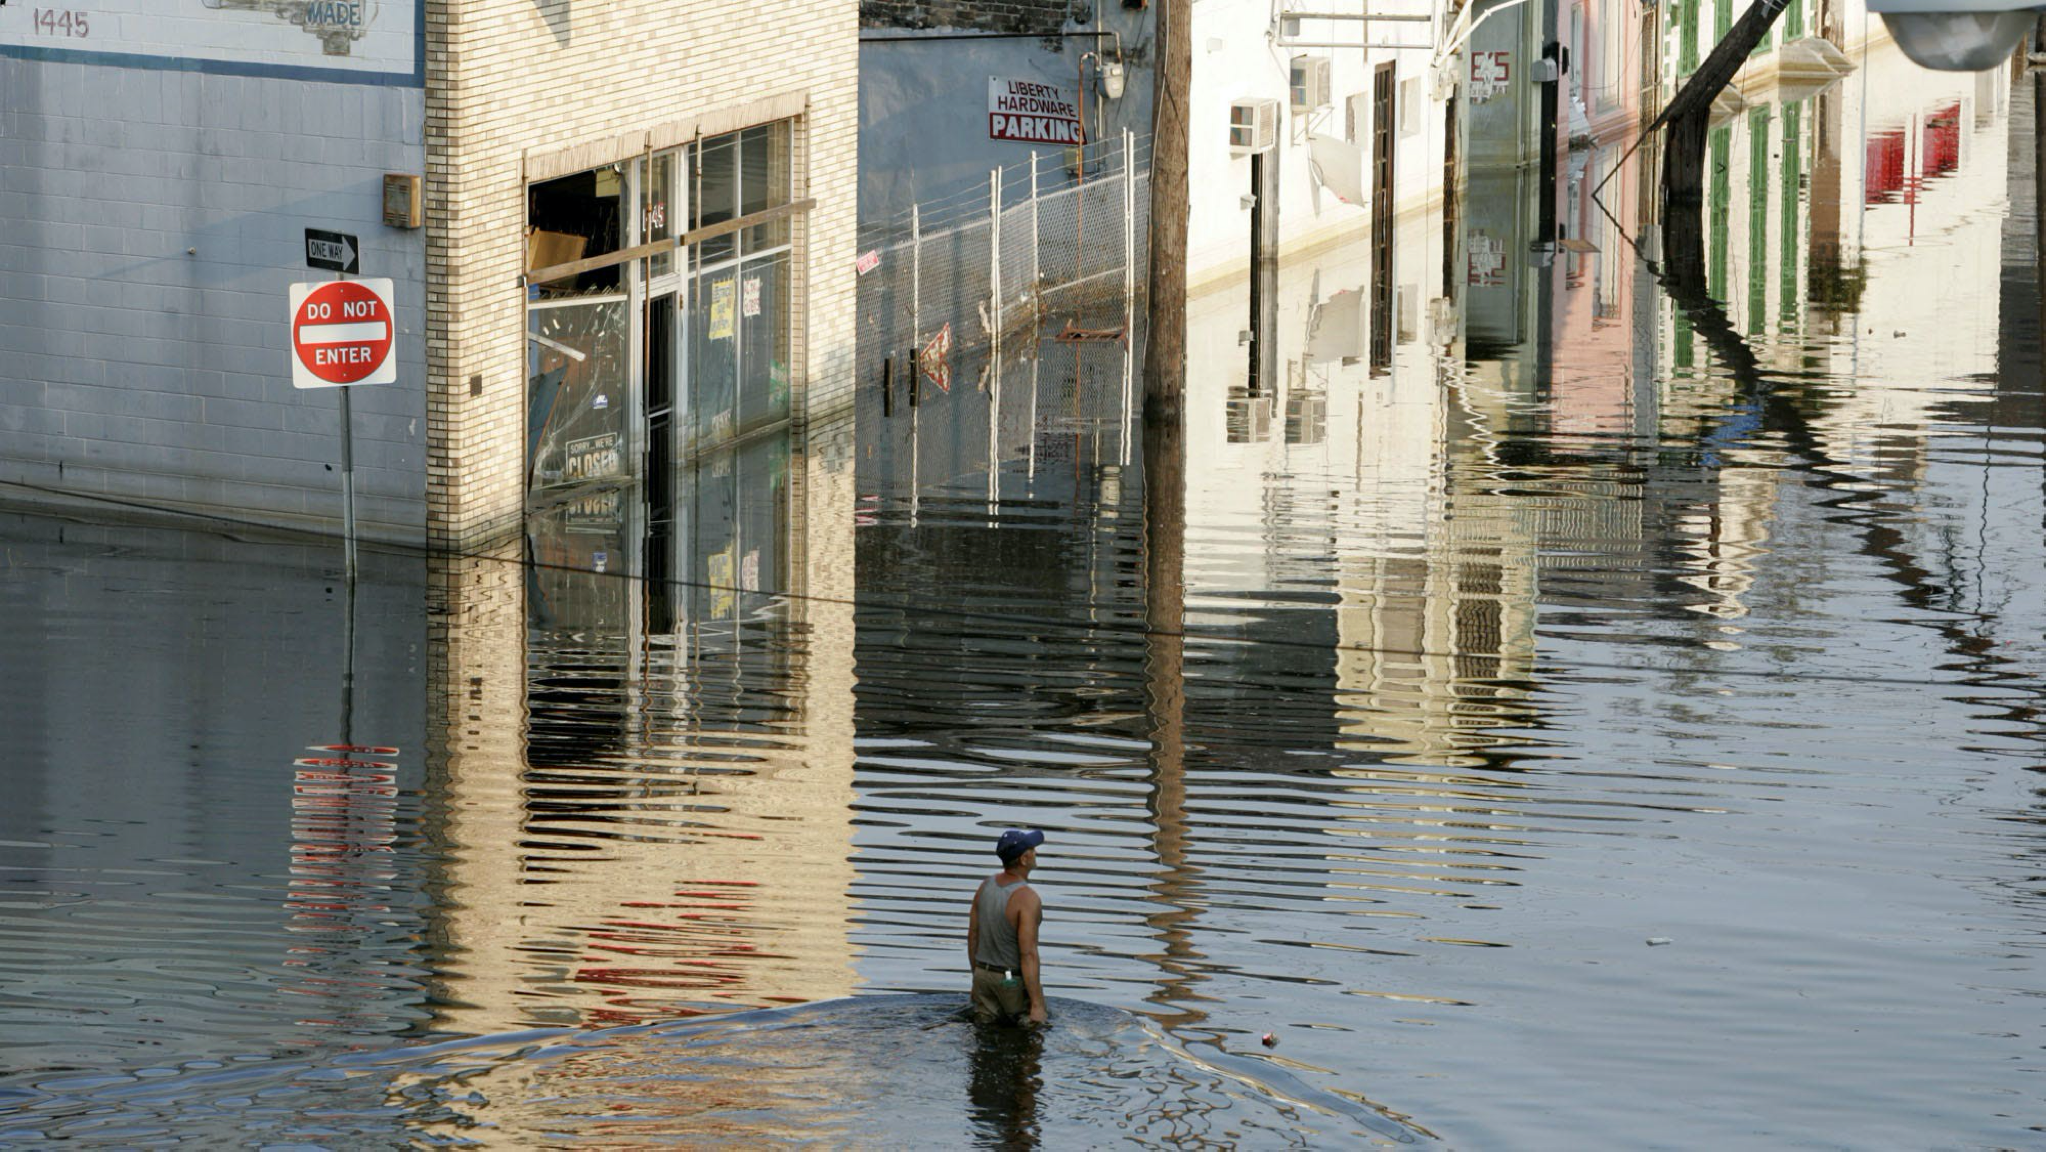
<point>1490,72</point>
<point>934,358</point>
<point>1486,260</point>
<point>343,833</point>
<point>598,512</point>
<point>592,457</point>
<point>722,324</point>
<point>718,574</point>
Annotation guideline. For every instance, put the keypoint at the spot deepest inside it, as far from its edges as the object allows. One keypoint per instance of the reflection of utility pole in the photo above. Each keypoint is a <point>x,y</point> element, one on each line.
<point>2039,201</point>
<point>2039,166</point>
<point>1165,342</point>
<point>1165,702</point>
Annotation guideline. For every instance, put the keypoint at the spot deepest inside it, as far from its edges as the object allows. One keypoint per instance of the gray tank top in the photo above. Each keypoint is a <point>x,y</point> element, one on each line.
<point>997,936</point>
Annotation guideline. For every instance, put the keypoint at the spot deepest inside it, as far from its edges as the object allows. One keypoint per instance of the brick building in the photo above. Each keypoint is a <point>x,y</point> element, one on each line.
<point>635,235</point>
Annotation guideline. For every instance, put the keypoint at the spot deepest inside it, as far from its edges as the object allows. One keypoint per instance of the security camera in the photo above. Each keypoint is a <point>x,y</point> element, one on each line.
<point>1957,35</point>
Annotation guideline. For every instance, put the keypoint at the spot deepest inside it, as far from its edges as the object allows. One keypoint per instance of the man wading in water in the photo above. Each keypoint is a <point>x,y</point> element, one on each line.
<point>1001,936</point>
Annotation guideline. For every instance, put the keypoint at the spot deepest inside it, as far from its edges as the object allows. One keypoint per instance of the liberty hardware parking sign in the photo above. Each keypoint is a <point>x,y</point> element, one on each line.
<point>1032,111</point>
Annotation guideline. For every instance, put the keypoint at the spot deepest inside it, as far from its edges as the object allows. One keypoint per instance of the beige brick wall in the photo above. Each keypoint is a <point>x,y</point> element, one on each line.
<point>508,79</point>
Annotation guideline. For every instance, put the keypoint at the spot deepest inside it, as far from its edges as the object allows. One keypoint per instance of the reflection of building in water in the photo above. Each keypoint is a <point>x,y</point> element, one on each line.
<point>1438,605</point>
<point>670,830</point>
<point>1438,612</point>
<point>1850,227</point>
<point>1929,233</point>
<point>1366,479</point>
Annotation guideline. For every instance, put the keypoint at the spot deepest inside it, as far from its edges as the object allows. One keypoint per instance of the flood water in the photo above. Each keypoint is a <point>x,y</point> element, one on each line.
<point>1549,741</point>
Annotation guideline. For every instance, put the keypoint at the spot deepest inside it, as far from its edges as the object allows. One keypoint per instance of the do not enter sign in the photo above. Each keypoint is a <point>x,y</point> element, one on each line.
<point>341,333</point>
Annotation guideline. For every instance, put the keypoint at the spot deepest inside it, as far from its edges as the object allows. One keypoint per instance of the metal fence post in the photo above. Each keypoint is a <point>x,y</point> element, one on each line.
<point>1035,286</point>
<point>1129,224</point>
<point>916,350</point>
<point>994,403</point>
<point>994,244</point>
<point>916,281</point>
<point>1036,313</point>
<point>1129,281</point>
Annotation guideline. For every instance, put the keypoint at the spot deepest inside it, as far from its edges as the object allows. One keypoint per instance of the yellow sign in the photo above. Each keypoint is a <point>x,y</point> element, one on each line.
<point>724,598</point>
<point>723,295</point>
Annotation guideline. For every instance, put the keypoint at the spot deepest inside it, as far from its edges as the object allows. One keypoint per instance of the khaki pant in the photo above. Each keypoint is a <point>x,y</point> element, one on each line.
<point>997,1000</point>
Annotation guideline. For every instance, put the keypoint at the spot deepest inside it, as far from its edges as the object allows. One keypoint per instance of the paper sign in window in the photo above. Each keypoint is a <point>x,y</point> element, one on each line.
<point>722,325</point>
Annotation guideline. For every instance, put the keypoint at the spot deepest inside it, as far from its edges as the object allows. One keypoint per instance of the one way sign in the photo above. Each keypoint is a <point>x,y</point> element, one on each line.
<point>334,251</point>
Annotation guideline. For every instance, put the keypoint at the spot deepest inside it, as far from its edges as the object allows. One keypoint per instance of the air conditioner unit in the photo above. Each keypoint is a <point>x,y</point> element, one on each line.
<point>1253,126</point>
<point>1310,83</point>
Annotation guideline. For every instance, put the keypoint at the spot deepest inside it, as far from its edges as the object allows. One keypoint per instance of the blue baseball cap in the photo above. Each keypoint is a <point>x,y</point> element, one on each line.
<point>1016,842</point>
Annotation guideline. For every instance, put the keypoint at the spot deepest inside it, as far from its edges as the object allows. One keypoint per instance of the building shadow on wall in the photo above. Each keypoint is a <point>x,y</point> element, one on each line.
<point>556,13</point>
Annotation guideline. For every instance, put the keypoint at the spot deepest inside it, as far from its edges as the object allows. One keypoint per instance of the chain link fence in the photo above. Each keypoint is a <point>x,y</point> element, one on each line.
<point>1052,244</point>
<point>1032,283</point>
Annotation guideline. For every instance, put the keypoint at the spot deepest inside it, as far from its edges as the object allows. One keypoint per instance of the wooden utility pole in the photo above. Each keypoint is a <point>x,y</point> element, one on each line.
<point>1688,116</point>
<point>1165,338</point>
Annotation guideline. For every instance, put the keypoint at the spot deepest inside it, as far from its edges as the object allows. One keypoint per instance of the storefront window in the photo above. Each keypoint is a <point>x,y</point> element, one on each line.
<point>714,364</point>
<point>737,503</point>
<point>764,339</point>
<point>739,378</point>
<point>639,363</point>
<point>575,218</point>
<point>764,154</point>
<point>659,212</point>
<point>715,172</point>
<point>576,430</point>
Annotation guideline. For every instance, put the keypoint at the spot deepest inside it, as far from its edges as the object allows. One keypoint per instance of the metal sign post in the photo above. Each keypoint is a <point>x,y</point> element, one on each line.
<point>348,489</point>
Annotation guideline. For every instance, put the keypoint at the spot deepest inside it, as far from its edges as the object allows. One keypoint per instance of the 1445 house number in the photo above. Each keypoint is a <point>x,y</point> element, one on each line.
<point>61,22</point>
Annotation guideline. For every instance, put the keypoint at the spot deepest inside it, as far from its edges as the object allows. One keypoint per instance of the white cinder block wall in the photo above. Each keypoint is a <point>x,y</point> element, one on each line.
<point>1235,58</point>
<point>151,219</point>
<point>152,215</point>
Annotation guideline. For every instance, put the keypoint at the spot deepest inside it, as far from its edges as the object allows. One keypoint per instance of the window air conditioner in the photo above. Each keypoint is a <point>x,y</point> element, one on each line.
<point>1310,83</point>
<point>1253,126</point>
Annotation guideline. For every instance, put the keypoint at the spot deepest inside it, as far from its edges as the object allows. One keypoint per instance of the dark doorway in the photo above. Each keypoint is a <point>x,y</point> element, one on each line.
<point>1450,203</point>
<point>1264,272</point>
<point>660,462</point>
<point>1382,82</point>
